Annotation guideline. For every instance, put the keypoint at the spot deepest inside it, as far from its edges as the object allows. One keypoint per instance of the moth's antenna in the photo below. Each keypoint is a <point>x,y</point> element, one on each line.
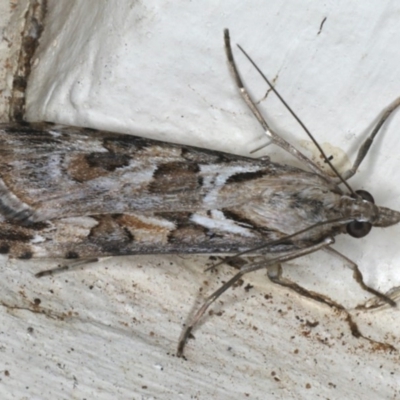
<point>300,122</point>
<point>275,138</point>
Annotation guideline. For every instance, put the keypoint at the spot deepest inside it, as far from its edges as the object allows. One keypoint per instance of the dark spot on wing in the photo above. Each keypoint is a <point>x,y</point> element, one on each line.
<point>204,156</point>
<point>90,130</point>
<point>125,144</point>
<point>10,233</point>
<point>110,236</point>
<point>31,134</point>
<point>175,167</point>
<point>19,83</point>
<point>313,206</point>
<point>71,255</point>
<point>243,221</point>
<point>36,226</point>
<point>107,161</point>
<point>4,248</point>
<point>27,255</point>
<point>129,235</point>
<point>179,219</point>
<point>185,230</point>
<point>175,177</point>
<point>11,214</point>
<point>86,167</point>
<point>245,176</point>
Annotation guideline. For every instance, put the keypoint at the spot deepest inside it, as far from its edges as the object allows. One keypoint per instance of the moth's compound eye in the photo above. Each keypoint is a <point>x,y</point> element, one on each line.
<point>358,229</point>
<point>366,196</point>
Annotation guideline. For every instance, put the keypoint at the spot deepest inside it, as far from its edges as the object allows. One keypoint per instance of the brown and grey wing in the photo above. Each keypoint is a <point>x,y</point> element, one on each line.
<point>125,234</point>
<point>50,172</point>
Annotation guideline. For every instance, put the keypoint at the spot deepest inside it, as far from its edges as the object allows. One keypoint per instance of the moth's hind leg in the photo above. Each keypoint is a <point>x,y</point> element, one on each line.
<point>362,152</point>
<point>275,275</point>
<point>65,268</point>
<point>357,275</point>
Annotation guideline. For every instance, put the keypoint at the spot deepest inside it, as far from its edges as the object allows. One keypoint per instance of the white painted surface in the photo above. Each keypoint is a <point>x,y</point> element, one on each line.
<point>158,69</point>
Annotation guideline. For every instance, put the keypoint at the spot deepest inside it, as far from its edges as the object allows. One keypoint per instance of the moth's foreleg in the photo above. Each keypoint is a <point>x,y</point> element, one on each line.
<point>244,270</point>
<point>362,152</point>
<point>65,268</point>
<point>357,275</point>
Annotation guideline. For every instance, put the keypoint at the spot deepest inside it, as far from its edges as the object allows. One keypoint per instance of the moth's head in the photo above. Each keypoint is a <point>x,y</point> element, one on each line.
<point>370,215</point>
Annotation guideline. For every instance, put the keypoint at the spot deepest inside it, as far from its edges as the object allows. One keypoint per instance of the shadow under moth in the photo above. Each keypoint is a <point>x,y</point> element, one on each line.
<point>81,194</point>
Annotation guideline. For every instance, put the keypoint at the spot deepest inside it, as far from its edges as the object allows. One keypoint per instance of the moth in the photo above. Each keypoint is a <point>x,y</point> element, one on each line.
<point>81,194</point>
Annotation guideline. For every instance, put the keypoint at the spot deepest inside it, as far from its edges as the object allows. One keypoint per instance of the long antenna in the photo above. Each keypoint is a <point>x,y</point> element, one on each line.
<point>299,121</point>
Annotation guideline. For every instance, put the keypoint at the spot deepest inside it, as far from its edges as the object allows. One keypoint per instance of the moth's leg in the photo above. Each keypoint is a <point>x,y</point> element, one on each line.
<point>375,303</point>
<point>275,138</point>
<point>275,275</point>
<point>362,152</point>
<point>236,262</point>
<point>68,267</point>
<point>357,275</point>
<point>244,270</point>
